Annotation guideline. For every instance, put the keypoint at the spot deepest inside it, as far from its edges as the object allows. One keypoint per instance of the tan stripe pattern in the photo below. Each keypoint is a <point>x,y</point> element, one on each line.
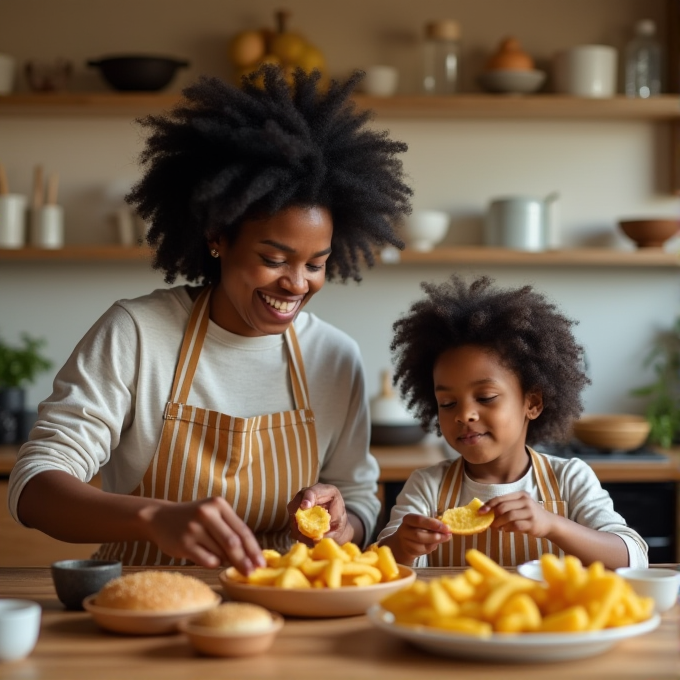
<point>256,464</point>
<point>505,548</point>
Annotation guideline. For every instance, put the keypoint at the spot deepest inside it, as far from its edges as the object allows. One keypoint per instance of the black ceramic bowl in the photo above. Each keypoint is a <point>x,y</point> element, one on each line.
<point>396,435</point>
<point>74,580</point>
<point>137,73</point>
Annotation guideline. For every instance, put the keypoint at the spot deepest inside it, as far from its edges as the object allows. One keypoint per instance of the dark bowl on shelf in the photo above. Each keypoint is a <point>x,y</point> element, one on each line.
<point>137,73</point>
<point>396,435</point>
<point>650,233</point>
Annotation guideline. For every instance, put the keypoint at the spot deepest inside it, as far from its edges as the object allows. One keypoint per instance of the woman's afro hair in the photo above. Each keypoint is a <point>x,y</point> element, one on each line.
<point>520,326</point>
<point>226,154</point>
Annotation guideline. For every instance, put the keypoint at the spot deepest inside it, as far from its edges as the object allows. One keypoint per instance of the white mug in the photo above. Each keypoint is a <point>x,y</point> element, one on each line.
<point>12,221</point>
<point>47,226</point>
<point>19,628</point>
<point>381,81</point>
<point>587,71</point>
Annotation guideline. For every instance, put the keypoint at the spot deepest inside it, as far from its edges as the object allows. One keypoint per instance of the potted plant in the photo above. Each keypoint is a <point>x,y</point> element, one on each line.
<point>663,395</point>
<point>19,367</point>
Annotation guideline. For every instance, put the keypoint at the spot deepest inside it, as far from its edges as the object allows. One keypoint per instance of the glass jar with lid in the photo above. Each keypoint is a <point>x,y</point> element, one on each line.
<point>441,57</point>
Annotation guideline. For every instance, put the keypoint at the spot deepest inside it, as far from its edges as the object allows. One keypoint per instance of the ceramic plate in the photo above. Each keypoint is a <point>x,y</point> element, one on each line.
<point>525,647</point>
<point>531,570</point>
<point>315,602</point>
<point>139,622</point>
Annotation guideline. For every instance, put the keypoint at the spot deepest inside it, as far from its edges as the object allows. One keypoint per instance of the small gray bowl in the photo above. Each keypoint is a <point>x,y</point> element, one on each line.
<point>74,580</point>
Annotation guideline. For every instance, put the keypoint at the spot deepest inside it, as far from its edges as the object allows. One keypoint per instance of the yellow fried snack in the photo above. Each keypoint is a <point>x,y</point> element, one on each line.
<point>488,599</point>
<point>465,520</point>
<point>326,565</point>
<point>313,522</point>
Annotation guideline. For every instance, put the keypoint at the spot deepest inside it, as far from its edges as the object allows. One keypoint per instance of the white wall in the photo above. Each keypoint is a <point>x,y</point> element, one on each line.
<point>603,171</point>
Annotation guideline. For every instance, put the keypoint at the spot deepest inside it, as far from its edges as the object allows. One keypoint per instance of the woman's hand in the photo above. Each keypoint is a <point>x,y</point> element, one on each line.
<point>329,497</point>
<point>519,512</point>
<point>416,536</point>
<point>207,532</point>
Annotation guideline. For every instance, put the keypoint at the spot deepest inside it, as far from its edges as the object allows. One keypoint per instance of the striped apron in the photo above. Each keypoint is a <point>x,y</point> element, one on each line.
<point>257,464</point>
<point>505,548</point>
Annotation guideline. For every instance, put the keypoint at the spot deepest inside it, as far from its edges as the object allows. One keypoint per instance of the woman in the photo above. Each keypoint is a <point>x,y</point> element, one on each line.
<point>215,411</point>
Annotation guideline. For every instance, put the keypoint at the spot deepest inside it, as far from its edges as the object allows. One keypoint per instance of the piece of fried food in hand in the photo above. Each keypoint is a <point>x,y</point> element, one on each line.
<point>313,522</point>
<point>465,520</point>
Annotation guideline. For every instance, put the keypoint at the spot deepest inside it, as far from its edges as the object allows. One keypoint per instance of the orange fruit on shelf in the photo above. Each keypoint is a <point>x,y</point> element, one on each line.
<point>247,48</point>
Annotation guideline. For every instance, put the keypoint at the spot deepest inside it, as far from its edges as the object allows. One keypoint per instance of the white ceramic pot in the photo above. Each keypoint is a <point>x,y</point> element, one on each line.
<point>12,220</point>
<point>521,223</point>
<point>7,73</point>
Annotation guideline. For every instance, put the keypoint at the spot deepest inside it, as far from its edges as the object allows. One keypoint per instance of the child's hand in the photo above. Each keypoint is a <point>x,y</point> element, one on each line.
<point>417,535</point>
<point>519,512</point>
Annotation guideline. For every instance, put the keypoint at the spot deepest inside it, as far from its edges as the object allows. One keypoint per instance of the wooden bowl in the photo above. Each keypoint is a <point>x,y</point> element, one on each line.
<point>650,233</point>
<point>612,431</point>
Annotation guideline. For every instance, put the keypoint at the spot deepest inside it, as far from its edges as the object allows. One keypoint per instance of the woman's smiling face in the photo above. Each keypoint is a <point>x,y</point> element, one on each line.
<point>483,412</point>
<point>271,271</point>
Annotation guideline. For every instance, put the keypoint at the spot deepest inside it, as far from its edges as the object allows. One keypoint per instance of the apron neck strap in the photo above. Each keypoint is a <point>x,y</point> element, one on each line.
<point>194,335</point>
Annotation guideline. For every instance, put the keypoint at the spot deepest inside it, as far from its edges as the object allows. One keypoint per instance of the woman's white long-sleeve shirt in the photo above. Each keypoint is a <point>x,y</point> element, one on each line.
<point>587,502</point>
<point>105,411</point>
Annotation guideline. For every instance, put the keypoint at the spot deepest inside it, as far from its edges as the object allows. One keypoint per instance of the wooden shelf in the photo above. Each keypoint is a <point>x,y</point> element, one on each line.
<point>572,257</point>
<point>576,257</point>
<point>85,253</point>
<point>470,106</point>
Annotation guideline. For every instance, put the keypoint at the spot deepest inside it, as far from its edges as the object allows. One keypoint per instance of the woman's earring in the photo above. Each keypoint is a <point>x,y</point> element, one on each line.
<point>214,252</point>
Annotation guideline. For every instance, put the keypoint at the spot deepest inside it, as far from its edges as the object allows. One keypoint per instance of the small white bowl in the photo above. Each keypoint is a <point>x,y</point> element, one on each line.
<point>509,81</point>
<point>660,584</point>
<point>19,628</point>
<point>424,229</point>
<point>531,570</point>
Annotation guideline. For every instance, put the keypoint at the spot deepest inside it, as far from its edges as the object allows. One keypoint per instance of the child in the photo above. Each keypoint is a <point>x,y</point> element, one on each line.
<point>495,370</point>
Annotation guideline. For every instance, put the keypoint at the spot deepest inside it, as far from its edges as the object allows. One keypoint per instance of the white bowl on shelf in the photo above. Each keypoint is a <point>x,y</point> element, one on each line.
<point>424,229</point>
<point>509,81</point>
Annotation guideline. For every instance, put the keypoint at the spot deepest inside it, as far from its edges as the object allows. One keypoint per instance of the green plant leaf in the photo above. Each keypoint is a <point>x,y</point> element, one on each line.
<point>21,365</point>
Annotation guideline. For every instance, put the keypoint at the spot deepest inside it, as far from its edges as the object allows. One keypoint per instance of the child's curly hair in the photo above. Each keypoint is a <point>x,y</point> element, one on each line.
<point>227,154</point>
<point>526,331</point>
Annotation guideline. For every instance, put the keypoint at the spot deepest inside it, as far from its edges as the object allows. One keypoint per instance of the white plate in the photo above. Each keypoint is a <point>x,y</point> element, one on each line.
<point>315,602</point>
<point>524,647</point>
<point>531,570</point>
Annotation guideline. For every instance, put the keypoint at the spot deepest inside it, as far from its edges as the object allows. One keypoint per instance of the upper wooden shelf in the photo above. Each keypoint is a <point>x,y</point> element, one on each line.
<point>607,257</point>
<point>471,106</point>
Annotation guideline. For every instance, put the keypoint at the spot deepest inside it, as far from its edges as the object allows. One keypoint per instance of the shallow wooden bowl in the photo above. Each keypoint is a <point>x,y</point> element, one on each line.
<point>612,431</point>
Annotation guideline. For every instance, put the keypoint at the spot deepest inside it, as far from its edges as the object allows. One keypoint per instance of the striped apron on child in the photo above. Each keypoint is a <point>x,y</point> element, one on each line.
<point>505,548</point>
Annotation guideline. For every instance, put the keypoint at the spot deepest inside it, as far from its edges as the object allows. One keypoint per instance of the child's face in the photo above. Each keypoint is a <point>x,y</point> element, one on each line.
<point>483,413</point>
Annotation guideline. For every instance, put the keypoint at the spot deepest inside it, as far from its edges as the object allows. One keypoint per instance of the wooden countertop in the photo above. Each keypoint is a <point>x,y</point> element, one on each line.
<point>398,462</point>
<point>72,647</point>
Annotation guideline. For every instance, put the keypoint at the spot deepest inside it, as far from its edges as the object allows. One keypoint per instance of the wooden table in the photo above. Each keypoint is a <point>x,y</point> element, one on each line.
<point>72,647</point>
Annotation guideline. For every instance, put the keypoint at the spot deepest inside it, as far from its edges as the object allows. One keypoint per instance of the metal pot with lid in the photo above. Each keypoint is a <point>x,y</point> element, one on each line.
<point>522,223</point>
